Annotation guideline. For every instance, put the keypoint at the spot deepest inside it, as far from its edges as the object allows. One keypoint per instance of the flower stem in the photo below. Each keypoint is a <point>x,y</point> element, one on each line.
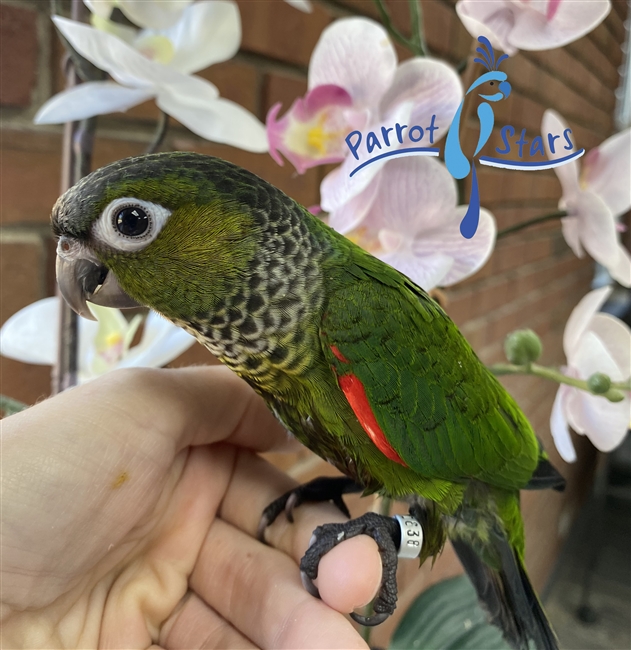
<point>412,45</point>
<point>555,375</point>
<point>161,131</point>
<point>559,214</point>
<point>76,162</point>
<point>9,406</point>
<point>418,32</point>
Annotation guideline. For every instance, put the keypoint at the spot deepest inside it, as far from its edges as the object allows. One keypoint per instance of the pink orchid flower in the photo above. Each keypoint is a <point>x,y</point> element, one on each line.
<point>513,25</point>
<point>356,84</point>
<point>413,224</point>
<point>593,342</point>
<point>594,197</point>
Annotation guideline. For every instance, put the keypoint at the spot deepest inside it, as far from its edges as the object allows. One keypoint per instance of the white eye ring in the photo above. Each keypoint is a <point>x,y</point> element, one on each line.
<point>106,231</point>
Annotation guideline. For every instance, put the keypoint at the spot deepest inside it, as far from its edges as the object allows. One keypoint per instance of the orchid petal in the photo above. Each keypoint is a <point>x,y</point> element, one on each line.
<point>351,214</point>
<point>88,99</point>
<point>592,356</point>
<point>126,65</point>
<point>597,228</point>
<point>432,87</point>
<point>525,25</point>
<point>491,18</point>
<point>559,426</point>
<point>153,15</point>
<point>606,172</point>
<point>427,271</point>
<point>30,335</point>
<point>339,187</point>
<point>312,131</point>
<point>469,255</point>
<point>124,32</point>
<point>356,54</point>
<point>553,124</point>
<point>207,33</point>
<point>101,8</point>
<point>604,422</point>
<point>620,271</point>
<point>219,120</point>
<point>302,5</point>
<point>161,342</point>
<point>416,195</point>
<point>571,20</point>
<point>580,318</point>
<point>571,233</point>
<point>616,337</point>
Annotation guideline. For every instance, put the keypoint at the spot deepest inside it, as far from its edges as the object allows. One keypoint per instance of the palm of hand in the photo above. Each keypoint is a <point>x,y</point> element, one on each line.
<point>123,528</point>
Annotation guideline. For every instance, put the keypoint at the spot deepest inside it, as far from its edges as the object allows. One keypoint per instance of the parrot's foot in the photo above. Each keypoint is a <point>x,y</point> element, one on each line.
<point>386,532</point>
<point>324,488</point>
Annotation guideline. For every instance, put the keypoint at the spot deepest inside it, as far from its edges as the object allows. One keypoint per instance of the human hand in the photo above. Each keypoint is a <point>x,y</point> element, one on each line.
<point>130,508</point>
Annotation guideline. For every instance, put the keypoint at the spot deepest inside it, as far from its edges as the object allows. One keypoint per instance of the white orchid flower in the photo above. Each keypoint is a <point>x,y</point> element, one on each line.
<point>355,83</point>
<point>303,5</point>
<point>513,25</point>
<point>593,342</point>
<point>413,224</point>
<point>159,64</point>
<point>594,196</point>
<point>157,14</point>
<point>32,336</point>
<point>154,14</point>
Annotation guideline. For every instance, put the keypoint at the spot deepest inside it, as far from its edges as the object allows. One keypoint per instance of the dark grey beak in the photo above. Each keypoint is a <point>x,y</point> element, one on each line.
<point>82,281</point>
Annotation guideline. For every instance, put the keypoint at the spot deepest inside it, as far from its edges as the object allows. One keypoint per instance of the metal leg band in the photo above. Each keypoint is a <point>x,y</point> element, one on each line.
<point>411,536</point>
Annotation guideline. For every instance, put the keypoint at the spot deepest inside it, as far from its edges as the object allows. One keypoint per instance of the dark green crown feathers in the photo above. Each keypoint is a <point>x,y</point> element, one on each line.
<point>163,178</point>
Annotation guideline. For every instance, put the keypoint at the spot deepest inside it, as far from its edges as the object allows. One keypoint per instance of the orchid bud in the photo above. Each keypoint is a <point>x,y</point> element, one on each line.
<point>614,395</point>
<point>599,383</point>
<point>522,347</point>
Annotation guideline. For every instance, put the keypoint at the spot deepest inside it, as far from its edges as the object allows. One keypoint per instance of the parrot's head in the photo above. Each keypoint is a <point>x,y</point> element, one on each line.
<point>172,231</point>
<point>492,86</point>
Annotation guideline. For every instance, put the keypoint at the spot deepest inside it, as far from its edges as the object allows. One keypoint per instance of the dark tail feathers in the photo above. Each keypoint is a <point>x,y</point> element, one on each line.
<point>507,596</point>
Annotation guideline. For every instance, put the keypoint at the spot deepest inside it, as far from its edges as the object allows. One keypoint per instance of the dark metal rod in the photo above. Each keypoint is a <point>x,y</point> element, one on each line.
<point>77,148</point>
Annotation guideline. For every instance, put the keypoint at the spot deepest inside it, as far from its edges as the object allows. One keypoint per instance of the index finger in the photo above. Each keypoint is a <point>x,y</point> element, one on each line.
<point>200,405</point>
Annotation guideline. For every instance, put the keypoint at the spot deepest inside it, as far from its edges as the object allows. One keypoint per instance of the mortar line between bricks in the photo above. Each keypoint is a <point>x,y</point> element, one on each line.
<point>566,81</point>
<point>21,235</point>
<point>341,10</point>
<point>43,88</point>
<point>515,305</point>
<point>270,64</point>
<point>578,56</point>
<point>472,124</point>
<point>533,95</point>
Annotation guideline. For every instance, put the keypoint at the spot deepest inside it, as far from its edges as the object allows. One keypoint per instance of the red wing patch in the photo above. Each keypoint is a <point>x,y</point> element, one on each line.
<point>355,393</point>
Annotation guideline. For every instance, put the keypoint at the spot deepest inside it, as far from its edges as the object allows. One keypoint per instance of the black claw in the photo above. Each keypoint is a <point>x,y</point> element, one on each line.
<point>325,488</point>
<point>385,531</point>
<point>339,502</point>
<point>370,621</point>
<point>292,502</point>
<point>307,583</point>
<point>260,531</point>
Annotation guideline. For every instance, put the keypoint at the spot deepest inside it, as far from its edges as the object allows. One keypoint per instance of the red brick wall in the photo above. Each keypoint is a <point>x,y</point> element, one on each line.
<point>532,280</point>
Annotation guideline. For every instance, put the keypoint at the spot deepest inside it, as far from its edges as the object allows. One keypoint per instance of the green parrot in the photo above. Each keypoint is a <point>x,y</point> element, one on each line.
<point>357,361</point>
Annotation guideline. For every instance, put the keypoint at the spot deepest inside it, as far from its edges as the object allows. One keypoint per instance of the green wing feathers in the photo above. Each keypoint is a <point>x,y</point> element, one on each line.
<point>439,407</point>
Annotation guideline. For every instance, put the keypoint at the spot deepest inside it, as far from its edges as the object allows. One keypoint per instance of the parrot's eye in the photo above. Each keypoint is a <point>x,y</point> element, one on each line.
<point>132,221</point>
<point>492,83</point>
<point>130,224</point>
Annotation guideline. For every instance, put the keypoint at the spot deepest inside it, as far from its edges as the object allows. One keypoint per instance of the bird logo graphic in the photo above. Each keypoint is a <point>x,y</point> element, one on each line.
<point>492,86</point>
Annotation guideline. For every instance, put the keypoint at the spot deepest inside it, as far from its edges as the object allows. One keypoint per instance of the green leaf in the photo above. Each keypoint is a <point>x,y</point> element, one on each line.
<point>447,617</point>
